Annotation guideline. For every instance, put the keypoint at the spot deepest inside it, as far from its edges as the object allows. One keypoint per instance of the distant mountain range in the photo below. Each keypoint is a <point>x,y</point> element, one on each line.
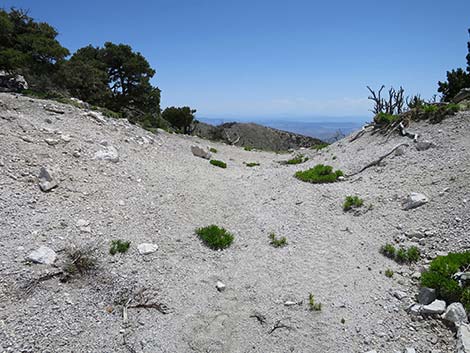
<point>323,130</point>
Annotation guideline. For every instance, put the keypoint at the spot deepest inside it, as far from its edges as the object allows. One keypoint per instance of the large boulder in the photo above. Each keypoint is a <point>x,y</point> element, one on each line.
<point>414,200</point>
<point>11,82</point>
<point>200,152</point>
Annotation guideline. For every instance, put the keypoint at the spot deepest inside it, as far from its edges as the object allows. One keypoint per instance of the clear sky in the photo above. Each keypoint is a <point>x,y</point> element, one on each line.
<point>269,58</point>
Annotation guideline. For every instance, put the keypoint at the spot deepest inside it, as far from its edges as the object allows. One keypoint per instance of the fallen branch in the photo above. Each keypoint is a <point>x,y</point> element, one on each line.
<point>360,133</point>
<point>278,325</point>
<point>377,161</point>
<point>29,287</point>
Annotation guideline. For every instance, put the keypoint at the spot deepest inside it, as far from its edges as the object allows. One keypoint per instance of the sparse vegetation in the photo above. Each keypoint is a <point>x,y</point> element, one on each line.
<point>79,260</point>
<point>343,321</point>
<point>119,246</point>
<point>320,146</point>
<point>319,174</point>
<point>313,306</point>
<point>252,164</point>
<point>215,237</point>
<point>277,242</point>
<point>352,202</point>
<point>298,159</point>
<point>213,150</point>
<point>218,163</point>
<point>248,148</point>
<point>441,276</point>
<point>401,255</point>
<point>389,273</point>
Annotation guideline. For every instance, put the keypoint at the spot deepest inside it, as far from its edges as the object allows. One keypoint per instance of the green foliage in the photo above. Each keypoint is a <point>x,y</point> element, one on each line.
<point>389,273</point>
<point>352,202</point>
<point>119,246</point>
<point>79,260</point>
<point>400,255</point>
<point>215,237</point>
<point>248,148</point>
<point>180,118</point>
<point>343,321</point>
<point>213,150</point>
<point>218,163</point>
<point>319,174</point>
<point>320,146</point>
<point>312,304</point>
<point>385,118</point>
<point>277,242</point>
<point>298,159</point>
<point>252,164</point>
<point>388,250</point>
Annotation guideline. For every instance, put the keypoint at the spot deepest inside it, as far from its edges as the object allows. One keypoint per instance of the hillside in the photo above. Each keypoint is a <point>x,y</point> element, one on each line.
<point>118,181</point>
<point>254,135</point>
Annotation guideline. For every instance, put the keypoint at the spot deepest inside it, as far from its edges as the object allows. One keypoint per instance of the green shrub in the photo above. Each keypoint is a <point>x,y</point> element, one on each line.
<point>389,273</point>
<point>413,254</point>
<point>119,246</point>
<point>217,163</point>
<point>252,164</point>
<point>352,202</point>
<point>213,150</point>
<point>440,277</point>
<point>312,304</point>
<point>385,118</point>
<point>320,146</point>
<point>319,174</point>
<point>248,148</point>
<point>388,250</point>
<point>401,256</point>
<point>277,243</point>
<point>215,237</point>
<point>297,159</point>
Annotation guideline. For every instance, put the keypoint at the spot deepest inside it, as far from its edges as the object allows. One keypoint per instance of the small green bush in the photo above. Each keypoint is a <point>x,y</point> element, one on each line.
<point>252,164</point>
<point>300,158</point>
<point>388,250</point>
<point>213,150</point>
<point>248,148</point>
<point>400,256</point>
<point>352,202</point>
<point>385,118</point>
<point>320,146</point>
<point>217,163</point>
<point>389,273</point>
<point>319,174</point>
<point>277,243</point>
<point>440,277</point>
<point>119,246</point>
<point>413,254</point>
<point>312,304</point>
<point>215,237</point>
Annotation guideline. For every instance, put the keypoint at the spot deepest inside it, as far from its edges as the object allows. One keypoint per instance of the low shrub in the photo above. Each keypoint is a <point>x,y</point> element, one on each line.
<point>413,254</point>
<point>312,304</point>
<point>320,146</point>
<point>119,246</point>
<point>248,148</point>
<point>319,174</point>
<point>298,159</point>
<point>440,276</point>
<point>215,237</point>
<point>217,163</point>
<point>385,118</point>
<point>352,202</point>
<point>213,150</point>
<point>252,164</point>
<point>79,260</point>
<point>277,242</point>
<point>389,273</point>
<point>388,250</point>
<point>401,255</point>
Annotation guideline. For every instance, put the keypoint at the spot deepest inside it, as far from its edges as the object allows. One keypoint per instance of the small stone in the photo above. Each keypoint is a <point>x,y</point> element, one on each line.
<point>82,223</point>
<point>409,350</point>
<point>290,303</point>
<point>121,203</point>
<point>341,178</point>
<point>424,145</point>
<point>52,142</point>
<point>46,183</point>
<point>455,313</point>
<point>436,307</point>
<point>43,255</point>
<point>147,248</point>
<point>220,286</point>
<point>76,154</point>
<point>109,153</point>
<point>399,294</point>
<point>200,152</point>
<point>426,295</point>
<point>414,200</point>
<point>66,138</point>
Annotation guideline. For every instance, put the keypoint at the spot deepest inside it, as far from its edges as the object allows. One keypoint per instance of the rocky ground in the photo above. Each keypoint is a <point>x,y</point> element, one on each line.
<point>112,180</point>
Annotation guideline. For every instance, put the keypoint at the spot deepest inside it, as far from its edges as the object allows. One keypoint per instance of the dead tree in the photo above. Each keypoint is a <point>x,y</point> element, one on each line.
<point>378,101</point>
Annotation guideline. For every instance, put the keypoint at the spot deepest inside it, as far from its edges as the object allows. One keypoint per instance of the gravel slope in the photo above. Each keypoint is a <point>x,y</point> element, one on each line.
<point>158,192</point>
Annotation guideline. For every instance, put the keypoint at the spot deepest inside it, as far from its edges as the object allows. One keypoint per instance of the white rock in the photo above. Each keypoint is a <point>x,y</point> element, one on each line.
<point>220,286</point>
<point>436,307</point>
<point>52,142</point>
<point>82,223</point>
<point>409,350</point>
<point>463,339</point>
<point>147,248</point>
<point>97,117</point>
<point>109,153</point>
<point>66,138</point>
<point>424,145</point>
<point>414,200</point>
<point>200,152</point>
<point>455,313</point>
<point>43,255</point>
<point>399,294</point>
<point>290,303</point>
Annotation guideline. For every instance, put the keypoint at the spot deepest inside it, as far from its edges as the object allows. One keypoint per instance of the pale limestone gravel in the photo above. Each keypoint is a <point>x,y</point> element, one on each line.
<point>159,193</point>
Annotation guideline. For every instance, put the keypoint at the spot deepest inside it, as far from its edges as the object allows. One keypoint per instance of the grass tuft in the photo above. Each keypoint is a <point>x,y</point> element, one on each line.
<point>215,237</point>
<point>401,255</point>
<point>248,148</point>
<point>218,163</point>
<point>277,242</point>
<point>352,202</point>
<point>312,304</point>
<point>298,159</point>
<point>389,273</point>
<point>213,150</point>
<point>252,164</point>
<point>119,246</point>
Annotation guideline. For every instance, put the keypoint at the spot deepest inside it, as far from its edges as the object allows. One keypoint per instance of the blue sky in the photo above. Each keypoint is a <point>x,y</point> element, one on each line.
<point>293,59</point>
